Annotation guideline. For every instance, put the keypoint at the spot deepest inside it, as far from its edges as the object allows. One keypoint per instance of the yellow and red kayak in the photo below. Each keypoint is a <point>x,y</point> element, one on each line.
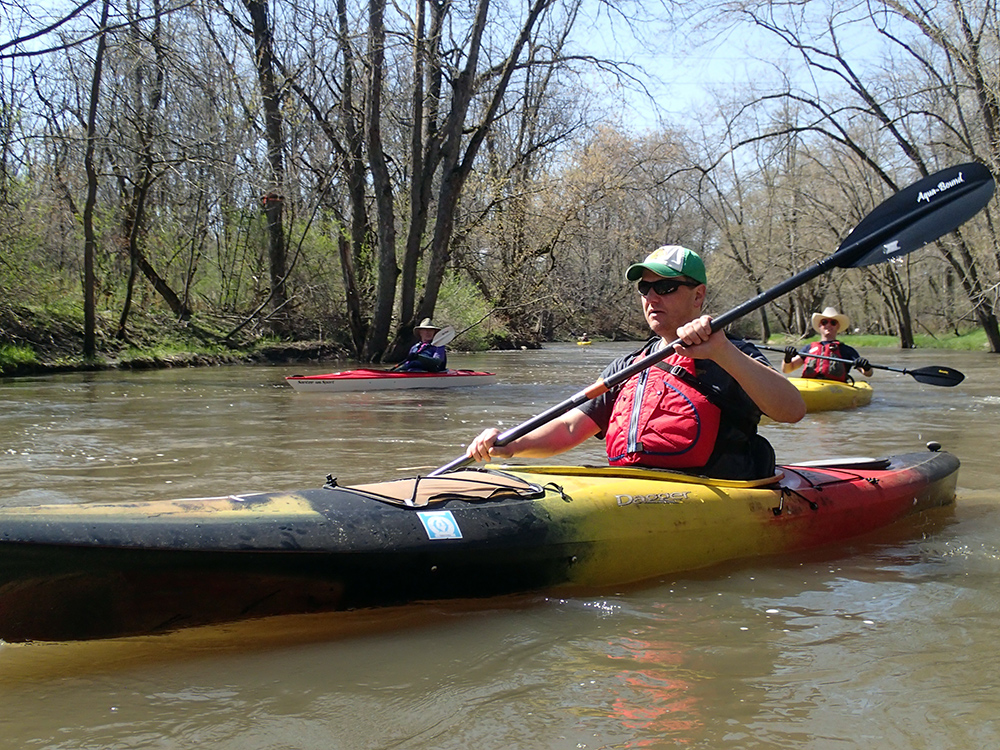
<point>92,570</point>
<point>829,395</point>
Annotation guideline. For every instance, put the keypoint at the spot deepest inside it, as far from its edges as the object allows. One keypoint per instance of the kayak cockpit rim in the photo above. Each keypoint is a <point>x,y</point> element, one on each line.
<point>470,485</point>
<point>631,472</point>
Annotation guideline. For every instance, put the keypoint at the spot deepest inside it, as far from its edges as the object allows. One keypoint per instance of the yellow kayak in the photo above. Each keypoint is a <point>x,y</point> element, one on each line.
<point>829,395</point>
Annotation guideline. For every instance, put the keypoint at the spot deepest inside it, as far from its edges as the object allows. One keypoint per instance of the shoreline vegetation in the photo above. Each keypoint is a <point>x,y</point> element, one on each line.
<point>300,184</point>
<point>36,342</point>
<point>42,342</point>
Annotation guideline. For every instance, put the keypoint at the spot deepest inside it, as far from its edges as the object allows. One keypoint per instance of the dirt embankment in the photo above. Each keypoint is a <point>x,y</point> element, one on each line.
<point>57,344</point>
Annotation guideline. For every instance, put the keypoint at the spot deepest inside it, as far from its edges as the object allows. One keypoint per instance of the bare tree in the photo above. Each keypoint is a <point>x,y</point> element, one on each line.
<point>934,100</point>
<point>273,197</point>
<point>429,108</point>
<point>382,186</point>
<point>90,242</point>
<point>145,104</point>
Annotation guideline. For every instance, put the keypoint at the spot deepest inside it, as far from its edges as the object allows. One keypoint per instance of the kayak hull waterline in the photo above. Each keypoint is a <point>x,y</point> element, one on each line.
<point>84,571</point>
<point>385,380</point>
<point>830,395</point>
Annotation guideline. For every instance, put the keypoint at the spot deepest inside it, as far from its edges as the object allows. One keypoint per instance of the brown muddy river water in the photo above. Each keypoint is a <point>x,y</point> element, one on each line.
<point>888,642</point>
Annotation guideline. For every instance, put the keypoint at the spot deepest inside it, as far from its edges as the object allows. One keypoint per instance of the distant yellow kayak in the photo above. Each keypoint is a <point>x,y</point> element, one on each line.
<point>584,343</point>
<point>830,395</point>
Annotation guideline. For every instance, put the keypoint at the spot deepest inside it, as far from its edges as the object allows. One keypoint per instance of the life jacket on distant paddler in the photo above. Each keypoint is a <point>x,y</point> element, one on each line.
<point>825,369</point>
<point>663,417</point>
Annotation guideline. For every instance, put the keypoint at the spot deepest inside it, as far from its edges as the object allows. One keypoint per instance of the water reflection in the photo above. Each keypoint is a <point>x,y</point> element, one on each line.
<point>653,697</point>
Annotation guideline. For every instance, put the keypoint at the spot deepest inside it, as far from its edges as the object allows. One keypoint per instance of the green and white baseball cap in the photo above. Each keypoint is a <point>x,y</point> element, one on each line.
<point>669,261</point>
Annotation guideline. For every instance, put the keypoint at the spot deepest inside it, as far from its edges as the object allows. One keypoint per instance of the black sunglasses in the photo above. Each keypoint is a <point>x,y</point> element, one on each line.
<point>829,322</point>
<point>663,287</point>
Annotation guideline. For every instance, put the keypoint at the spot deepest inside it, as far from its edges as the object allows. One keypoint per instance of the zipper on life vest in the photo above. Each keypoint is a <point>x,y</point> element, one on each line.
<point>634,446</point>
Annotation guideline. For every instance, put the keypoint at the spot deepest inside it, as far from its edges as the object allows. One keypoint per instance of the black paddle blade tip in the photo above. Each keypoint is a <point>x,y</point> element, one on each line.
<point>942,376</point>
<point>916,215</point>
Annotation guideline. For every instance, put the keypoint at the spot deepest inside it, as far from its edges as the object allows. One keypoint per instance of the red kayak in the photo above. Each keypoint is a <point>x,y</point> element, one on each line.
<point>382,380</point>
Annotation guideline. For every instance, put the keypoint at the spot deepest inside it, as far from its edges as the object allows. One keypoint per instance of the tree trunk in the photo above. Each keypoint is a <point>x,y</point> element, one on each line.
<point>90,237</point>
<point>456,165</point>
<point>892,291</point>
<point>135,209</point>
<point>425,155</point>
<point>273,198</point>
<point>354,165</point>
<point>378,332</point>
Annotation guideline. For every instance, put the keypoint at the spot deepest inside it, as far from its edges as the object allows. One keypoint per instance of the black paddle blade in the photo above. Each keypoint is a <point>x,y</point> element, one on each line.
<point>917,215</point>
<point>937,376</point>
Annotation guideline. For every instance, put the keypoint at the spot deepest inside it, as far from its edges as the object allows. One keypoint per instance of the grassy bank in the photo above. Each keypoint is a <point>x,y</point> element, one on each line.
<point>39,341</point>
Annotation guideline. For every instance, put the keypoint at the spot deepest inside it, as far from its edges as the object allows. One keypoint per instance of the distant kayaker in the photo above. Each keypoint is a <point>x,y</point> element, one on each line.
<point>698,410</point>
<point>827,324</point>
<point>424,356</point>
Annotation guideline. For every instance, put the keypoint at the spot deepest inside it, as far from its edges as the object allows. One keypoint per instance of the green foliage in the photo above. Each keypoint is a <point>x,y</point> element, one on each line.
<point>317,286</point>
<point>169,349</point>
<point>461,305</point>
<point>971,341</point>
<point>13,356</point>
<point>55,303</point>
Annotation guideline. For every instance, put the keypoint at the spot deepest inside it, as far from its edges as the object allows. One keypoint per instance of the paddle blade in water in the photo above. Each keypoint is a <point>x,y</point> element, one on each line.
<point>918,214</point>
<point>944,376</point>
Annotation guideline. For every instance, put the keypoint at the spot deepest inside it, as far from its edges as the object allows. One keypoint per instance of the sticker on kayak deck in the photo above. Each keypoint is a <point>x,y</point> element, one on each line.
<point>440,524</point>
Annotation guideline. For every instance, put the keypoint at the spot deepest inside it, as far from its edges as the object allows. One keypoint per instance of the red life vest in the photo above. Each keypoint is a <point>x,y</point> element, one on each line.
<point>660,418</point>
<point>825,369</point>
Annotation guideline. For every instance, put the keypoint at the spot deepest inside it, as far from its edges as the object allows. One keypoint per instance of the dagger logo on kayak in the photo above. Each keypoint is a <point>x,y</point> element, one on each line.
<point>669,498</point>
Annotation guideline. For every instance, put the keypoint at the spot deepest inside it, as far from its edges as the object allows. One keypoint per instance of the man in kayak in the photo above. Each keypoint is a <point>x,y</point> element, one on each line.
<point>827,324</point>
<point>698,410</point>
<point>423,355</point>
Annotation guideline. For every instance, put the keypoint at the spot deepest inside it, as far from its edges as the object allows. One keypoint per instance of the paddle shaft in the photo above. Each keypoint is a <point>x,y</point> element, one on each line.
<point>833,359</point>
<point>933,204</point>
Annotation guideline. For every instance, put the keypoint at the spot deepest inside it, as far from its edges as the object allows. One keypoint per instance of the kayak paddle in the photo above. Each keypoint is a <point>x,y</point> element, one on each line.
<point>444,336</point>
<point>904,222</point>
<point>933,375</point>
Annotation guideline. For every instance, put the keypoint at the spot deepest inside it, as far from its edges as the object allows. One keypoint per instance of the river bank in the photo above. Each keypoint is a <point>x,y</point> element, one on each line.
<point>34,342</point>
<point>39,342</point>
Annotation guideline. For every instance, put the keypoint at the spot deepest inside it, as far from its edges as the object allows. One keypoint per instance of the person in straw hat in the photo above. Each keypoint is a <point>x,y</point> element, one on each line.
<point>697,410</point>
<point>827,324</point>
<point>423,355</point>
